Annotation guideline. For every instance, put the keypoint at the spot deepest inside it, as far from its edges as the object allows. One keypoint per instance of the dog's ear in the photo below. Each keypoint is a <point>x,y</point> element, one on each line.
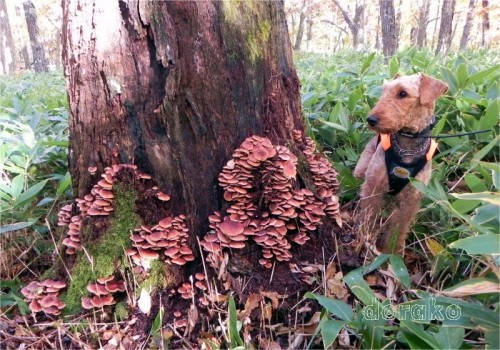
<point>430,89</point>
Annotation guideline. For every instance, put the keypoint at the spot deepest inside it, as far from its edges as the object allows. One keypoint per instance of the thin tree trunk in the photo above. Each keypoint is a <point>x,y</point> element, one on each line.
<point>8,57</point>
<point>26,57</point>
<point>434,36</point>
<point>39,61</point>
<point>464,40</point>
<point>355,24</point>
<point>446,26</point>
<point>309,36</point>
<point>389,28</point>
<point>423,17</point>
<point>485,41</point>
<point>302,24</point>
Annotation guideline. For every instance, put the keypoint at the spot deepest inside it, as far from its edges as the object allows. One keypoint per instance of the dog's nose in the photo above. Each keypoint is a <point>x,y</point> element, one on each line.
<point>372,120</point>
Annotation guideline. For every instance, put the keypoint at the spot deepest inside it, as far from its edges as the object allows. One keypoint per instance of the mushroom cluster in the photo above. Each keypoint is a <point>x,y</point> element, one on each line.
<point>167,239</point>
<point>267,203</point>
<point>99,202</point>
<point>323,174</point>
<point>44,296</point>
<point>102,292</point>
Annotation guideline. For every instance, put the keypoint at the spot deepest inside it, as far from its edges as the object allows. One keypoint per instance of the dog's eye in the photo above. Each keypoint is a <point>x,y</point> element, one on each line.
<point>402,94</point>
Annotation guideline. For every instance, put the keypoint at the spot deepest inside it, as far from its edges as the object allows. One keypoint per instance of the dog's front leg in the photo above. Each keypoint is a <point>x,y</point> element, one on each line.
<point>365,158</point>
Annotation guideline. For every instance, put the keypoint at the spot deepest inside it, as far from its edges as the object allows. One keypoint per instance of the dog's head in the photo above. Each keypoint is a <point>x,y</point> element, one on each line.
<point>407,103</point>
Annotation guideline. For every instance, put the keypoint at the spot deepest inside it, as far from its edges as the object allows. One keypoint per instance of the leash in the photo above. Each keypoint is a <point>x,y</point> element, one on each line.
<point>416,136</point>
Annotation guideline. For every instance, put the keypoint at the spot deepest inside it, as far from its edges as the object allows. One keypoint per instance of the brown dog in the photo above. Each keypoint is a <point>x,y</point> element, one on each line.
<point>403,117</point>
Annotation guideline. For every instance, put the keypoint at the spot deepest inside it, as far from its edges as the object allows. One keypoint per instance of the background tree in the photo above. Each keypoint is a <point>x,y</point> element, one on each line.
<point>40,63</point>
<point>446,26</point>
<point>464,40</point>
<point>355,24</point>
<point>302,24</point>
<point>485,38</point>
<point>8,57</point>
<point>423,20</point>
<point>389,28</point>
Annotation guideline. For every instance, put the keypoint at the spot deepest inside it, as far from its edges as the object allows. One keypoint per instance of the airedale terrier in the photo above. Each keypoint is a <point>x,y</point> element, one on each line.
<point>403,118</point>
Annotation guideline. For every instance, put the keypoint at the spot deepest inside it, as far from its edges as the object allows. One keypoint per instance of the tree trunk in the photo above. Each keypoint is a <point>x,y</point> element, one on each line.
<point>39,61</point>
<point>464,40</point>
<point>389,28</point>
<point>485,42</point>
<point>302,24</point>
<point>446,26</point>
<point>356,25</point>
<point>434,36</point>
<point>423,17</point>
<point>8,57</point>
<point>309,36</point>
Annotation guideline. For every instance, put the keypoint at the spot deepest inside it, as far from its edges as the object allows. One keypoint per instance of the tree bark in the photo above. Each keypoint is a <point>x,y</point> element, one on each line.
<point>464,40</point>
<point>356,24</point>
<point>446,26</point>
<point>179,87</point>
<point>8,57</point>
<point>423,18</point>
<point>389,28</point>
<point>485,41</point>
<point>39,61</point>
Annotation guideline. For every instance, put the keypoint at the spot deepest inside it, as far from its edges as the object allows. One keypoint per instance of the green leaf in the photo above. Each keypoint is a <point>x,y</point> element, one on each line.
<point>336,307</point>
<point>481,244</point>
<point>449,338</point>
<point>449,79</point>
<point>474,183</point>
<point>360,288</point>
<point>485,150</point>
<point>487,197</point>
<point>481,76</point>
<point>393,66</point>
<point>375,264</point>
<point>490,117</point>
<point>157,323</point>
<point>28,136</point>
<point>30,193</point>
<point>16,226</point>
<point>63,184</point>
<point>461,75</point>
<point>330,330</point>
<point>367,62</point>
<point>17,186</point>
<point>234,335</point>
<point>400,270</point>
<point>411,329</point>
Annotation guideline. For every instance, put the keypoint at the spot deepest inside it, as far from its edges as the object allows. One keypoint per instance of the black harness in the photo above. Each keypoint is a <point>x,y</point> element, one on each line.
<point>399,172</point>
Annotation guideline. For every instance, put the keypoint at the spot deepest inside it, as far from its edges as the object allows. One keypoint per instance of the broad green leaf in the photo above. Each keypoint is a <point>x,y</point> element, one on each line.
<point>487,197</point>
<point>485,150</point>
<point>490,117</point>
<point>461,75</point>
<point>449,338</point>
<point>330,330</point>
<point>485,214</point>
<point>393,66</point>
<point>411,329</point>
<point>449,78</point>
<point>480,76</point>
<point>234,335</point>
<point>400,270</point>
<point>434,247</point>
<point>372,328</point>
<point>464,206</point>
<point>481,244</point>
<point>28,136</point>
<point>367,62</point>
<point>16,226</point>
<point>336,307</point>
<point>474,183</point>
<point>30,193</point>
<point>375,264</point>
<point>360,288</point>
<point>334,125</point>
<point>63,184</point>
<point>17,186</point>
<point>493,340</point>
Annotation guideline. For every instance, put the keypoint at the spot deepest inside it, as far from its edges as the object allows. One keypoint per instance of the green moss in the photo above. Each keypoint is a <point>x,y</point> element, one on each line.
<point>104,255</point>
<point>121,311</point>
<point>159,277</point>
<point>257,39</point>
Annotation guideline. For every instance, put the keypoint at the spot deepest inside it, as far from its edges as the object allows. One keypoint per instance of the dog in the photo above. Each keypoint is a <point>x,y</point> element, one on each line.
<point>403,118</point>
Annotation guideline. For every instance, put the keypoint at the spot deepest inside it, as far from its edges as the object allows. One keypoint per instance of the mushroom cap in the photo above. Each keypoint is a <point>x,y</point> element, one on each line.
<point>231,228</point>
<point>99,301</point>
<point>87,303</point>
